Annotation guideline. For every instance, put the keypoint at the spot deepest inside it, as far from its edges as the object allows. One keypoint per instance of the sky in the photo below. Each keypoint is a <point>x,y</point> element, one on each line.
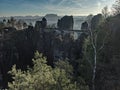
<point>60,7</point>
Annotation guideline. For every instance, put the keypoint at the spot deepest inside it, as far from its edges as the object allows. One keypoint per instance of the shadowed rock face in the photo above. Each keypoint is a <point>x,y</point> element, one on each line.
<point>84,26</point>
<point>66,22</point>
<point>20,47</point>
<point>44,22</point>
<point>41,24</point>
<point>38,25</point>
<point>96,21</point>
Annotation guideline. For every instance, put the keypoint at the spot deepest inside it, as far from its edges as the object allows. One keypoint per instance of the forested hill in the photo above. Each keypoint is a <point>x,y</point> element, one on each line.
<point>17,46</point>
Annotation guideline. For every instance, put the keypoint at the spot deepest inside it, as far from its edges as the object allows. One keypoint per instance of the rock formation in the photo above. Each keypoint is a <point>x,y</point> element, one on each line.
<point>65,22</point>
<point>96,21</point>
<point>84,26</point>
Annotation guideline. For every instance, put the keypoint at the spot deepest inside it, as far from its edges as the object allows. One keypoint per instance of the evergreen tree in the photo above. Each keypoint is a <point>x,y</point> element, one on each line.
<point>43,76</point>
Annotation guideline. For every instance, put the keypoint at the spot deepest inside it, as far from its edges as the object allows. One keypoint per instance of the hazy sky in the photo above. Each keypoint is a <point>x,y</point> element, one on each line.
<point>60,7</point>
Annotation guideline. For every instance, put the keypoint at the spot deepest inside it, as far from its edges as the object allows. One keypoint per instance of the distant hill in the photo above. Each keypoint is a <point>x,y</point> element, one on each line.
<point>51,16</point>
<point>51,19</point>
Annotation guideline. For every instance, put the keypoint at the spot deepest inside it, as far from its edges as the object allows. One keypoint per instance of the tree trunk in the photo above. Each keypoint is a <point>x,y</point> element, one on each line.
<point>94,69</point>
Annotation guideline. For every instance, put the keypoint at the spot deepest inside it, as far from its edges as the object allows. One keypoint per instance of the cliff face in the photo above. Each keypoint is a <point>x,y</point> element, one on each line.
<point>65,22</point>
<point>96,20</point>
<point>18,47</point>
<point>84,26</point>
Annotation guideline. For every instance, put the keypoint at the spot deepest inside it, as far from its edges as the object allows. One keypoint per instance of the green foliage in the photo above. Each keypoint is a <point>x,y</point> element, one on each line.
<point>43,76</point>
<point>64,65</point>
<point>38,78</point>
<point>62,74</point>
<point>86,63</point>
<point>87,49</point>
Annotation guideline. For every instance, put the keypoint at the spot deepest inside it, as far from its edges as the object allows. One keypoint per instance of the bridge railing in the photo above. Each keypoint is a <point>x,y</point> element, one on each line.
<point>68,30</point>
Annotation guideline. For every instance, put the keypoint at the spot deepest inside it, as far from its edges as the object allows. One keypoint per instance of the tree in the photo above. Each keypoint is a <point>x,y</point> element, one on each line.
<point>62,74</point>
<point>116,7</point>
<point>65,66</point>
<point>38,78</point>
<point>95,43</point>
<point>41,77</point>
<point>105,12</point>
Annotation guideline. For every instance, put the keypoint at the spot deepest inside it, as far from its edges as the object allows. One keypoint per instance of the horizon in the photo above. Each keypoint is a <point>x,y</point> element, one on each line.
<point>62,7</point>
<point>43,16</point>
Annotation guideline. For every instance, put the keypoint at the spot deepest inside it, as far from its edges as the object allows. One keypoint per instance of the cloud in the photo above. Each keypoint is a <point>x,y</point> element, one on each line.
<point>103,0</point>
<point>52,1</point>
<point>99,4</point>
<point>70,7</point>
<point>70,2</point>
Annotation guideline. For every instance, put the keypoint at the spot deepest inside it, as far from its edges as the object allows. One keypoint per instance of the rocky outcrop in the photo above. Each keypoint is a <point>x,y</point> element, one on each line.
<point>96,21</point>
<point>65,22</point>
<point>39,25</point>
<point>19,48</point>
<point>84,26</point>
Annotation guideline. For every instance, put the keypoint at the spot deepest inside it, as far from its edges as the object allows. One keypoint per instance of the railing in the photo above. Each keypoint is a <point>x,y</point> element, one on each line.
<point>69,30</point>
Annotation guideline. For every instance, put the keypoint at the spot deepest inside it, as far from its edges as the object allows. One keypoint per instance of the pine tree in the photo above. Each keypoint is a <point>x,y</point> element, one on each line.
<point>42,76</point>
